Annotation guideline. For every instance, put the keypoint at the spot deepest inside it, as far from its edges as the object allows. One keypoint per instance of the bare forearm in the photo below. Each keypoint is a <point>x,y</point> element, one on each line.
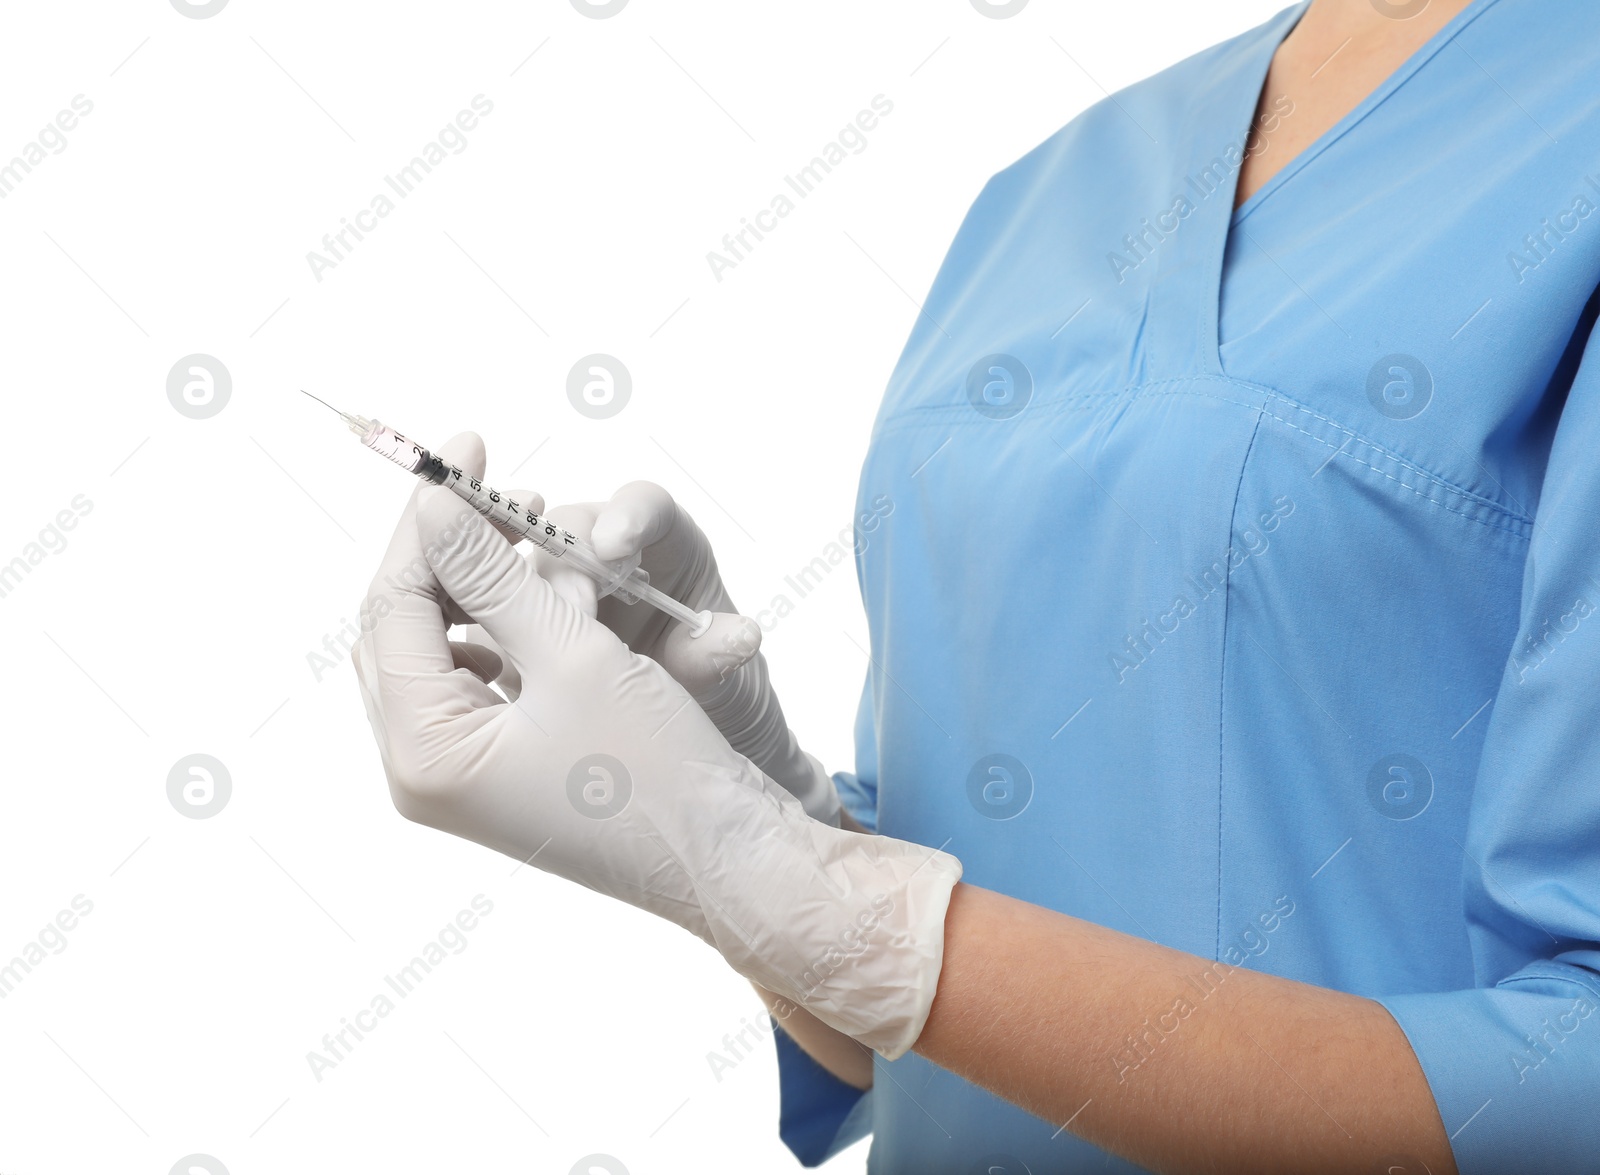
<point>1178,1063</point>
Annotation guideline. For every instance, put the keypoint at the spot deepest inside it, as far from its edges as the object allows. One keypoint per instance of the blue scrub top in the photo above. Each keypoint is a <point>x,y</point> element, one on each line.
<point>1232,575</point>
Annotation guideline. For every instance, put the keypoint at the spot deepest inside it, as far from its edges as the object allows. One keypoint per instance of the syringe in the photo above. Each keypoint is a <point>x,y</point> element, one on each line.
<point>626,579</point>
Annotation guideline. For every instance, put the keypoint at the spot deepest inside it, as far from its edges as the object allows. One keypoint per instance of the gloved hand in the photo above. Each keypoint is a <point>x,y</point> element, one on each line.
<point>722,670</point>
<point>605,772</point>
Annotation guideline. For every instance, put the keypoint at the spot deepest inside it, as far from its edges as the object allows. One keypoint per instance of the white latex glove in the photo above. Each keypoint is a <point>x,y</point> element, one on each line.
<point>722,670</point>
<point>605,772</point>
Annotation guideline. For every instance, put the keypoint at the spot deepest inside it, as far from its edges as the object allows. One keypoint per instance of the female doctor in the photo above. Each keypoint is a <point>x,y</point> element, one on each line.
<point>1264,833</point>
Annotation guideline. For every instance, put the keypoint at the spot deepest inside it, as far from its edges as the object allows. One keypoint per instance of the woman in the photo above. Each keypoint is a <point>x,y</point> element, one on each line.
<point>1250,744</point>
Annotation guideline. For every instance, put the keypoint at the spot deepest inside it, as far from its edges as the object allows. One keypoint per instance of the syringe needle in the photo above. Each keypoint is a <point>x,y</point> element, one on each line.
<point>325,404</point>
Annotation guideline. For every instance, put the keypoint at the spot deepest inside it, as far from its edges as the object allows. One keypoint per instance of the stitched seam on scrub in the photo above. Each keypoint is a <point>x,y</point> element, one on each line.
<point>962,415</point>
<point>1222,670</point>
<point>922,415</point>
<point>1591,985</point>
<point>1499,507</point>
<point>1520,530</point>
<point>1443,482</point>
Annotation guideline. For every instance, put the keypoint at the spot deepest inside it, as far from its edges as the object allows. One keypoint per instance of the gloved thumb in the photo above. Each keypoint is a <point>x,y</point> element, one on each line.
<point>639,515</point>
<point>701,664</point>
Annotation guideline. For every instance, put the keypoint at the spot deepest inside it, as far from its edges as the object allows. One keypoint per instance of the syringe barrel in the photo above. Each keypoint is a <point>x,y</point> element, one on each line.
<point>498,508</point>
<point>400,449</point>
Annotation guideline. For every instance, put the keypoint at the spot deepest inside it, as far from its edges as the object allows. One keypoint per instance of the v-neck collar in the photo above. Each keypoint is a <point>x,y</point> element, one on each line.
<point>1423,54</point>
<point>1227,104</point>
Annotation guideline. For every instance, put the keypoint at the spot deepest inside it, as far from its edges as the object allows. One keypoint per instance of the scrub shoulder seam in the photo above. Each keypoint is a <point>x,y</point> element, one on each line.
<point>921,415</point>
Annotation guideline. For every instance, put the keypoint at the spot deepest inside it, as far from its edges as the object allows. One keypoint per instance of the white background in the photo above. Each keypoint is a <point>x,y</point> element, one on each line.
<point>219,553</point>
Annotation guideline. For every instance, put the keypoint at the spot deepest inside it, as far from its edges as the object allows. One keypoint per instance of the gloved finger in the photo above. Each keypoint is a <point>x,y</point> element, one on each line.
<point>572,585</point>
<point>508,679</point>
<point>642,518</point>
<point>414,693</point>
<point>496,586</point>
<point>405,662</point>
<point>403,569</point>
<point>639,515</point>
<point>417,723</point>
<point>702,663</point>
<point>525,501</point>
<point>480,660</point>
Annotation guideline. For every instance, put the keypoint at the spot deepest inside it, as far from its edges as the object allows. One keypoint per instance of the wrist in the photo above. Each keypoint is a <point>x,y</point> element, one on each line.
<point>847,926</point>
<point>813,787</point>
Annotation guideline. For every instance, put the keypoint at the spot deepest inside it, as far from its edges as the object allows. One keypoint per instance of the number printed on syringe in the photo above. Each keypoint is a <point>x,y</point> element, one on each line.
<point>626,580</point>
<point>549,537</point>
